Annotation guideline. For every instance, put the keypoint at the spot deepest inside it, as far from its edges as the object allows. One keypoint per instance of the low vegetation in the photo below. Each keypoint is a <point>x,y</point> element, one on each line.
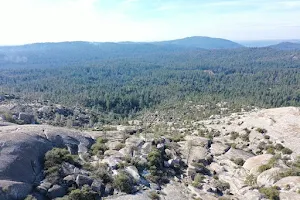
<point>123,182</point>
<point>271,193</point>
<point>99,147</point>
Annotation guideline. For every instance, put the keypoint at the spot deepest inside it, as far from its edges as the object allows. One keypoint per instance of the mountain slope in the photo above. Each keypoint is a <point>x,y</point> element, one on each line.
<point>203,42</point>
<point>287,46</point>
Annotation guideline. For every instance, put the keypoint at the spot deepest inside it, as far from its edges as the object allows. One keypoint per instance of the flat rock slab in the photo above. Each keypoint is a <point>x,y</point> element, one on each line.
<point>219,148</point>
<point>174,192</point>
<point>289,195</point>
<point>14,190</point>
<point>292,181</point>
<point>268,177</point>
<point>236,153</point>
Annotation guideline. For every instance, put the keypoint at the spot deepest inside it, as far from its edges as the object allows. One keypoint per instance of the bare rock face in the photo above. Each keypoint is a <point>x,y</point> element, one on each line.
<point>219,148</point>
<point>291,183</point>
<point>268,177</point>
<point>14,190</point>
<point>236,153</point>
<point>22,150</point>
<point>289,195</point>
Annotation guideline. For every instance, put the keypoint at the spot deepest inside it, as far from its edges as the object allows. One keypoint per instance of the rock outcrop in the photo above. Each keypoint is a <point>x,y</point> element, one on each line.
<point>22,150</point>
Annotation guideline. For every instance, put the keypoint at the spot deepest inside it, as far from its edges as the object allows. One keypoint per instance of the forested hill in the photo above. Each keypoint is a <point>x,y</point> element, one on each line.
<point>66,53</point>
<point>286,46</point>
<point>153,76</point>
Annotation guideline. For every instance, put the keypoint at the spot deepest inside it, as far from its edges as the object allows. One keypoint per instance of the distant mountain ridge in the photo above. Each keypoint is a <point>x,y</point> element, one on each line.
<point>80,51</point>
<point>286,46</point>
<point>203,43</point>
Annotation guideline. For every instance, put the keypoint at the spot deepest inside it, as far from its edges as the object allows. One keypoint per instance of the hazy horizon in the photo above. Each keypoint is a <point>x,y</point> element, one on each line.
<point>250,43</point>
<point>35,21</point>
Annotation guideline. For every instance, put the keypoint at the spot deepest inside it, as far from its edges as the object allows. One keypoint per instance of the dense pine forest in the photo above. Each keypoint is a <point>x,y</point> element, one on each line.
<point>126,78</point>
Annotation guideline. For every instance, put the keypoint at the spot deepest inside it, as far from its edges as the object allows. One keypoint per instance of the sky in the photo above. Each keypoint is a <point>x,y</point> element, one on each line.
<point>31,21</point>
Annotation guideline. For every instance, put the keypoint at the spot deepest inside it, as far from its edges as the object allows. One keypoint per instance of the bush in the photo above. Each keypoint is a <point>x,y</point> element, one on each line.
<point>155,159</point>
<point>124,182</point>
<point>239,161</point>
<point>103,174</point>
<point>289,172</point>
<point>271,193</point>
<point>85,193</point>
<point>250,180</point>
<point>101,140</point>
<point>234,135</point>
<point>222,186</point>
<point>279,147</point>
<point>286,151</point>
<point>53,160</point>
<point>30,197</point>
<point>261,130</point>
<point>99,147</point>
<point>120,146</point>
<point>57,156</point>
<point>177,138</point>
<point>265,167</point>
<point>270,150</point>
<point>270,164</point>
<point>153,195</point>
<point>198,180</point>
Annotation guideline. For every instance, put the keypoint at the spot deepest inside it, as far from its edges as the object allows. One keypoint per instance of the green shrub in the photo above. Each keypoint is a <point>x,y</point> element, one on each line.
<point>265,167</point>
<point>286,150</point>
<point>30,197</point>
<point>234,135</point>
<point>85,193</point>
<point>250,180</point>
<point>261,130</point>
<point>103,174</point>
<point>120,146</point>
<point>271,193</point>
<point>124,182</point>
<point>239,161</point>
<point>99,147</point>
<point>198,180</point>
<point>101,140</point>
<point>153,195</point>
<point>53,160</point>
<point>289,172</point>
<point>222,186</point>
<point>57,156</point>
<point>155,159</point>
<point>177,138</point>
<point>270,164</point>
<point>279,147</point>
<point>270,150</point>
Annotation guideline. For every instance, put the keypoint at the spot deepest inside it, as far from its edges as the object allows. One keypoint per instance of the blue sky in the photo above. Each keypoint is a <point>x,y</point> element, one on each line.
<point>29,21</point>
